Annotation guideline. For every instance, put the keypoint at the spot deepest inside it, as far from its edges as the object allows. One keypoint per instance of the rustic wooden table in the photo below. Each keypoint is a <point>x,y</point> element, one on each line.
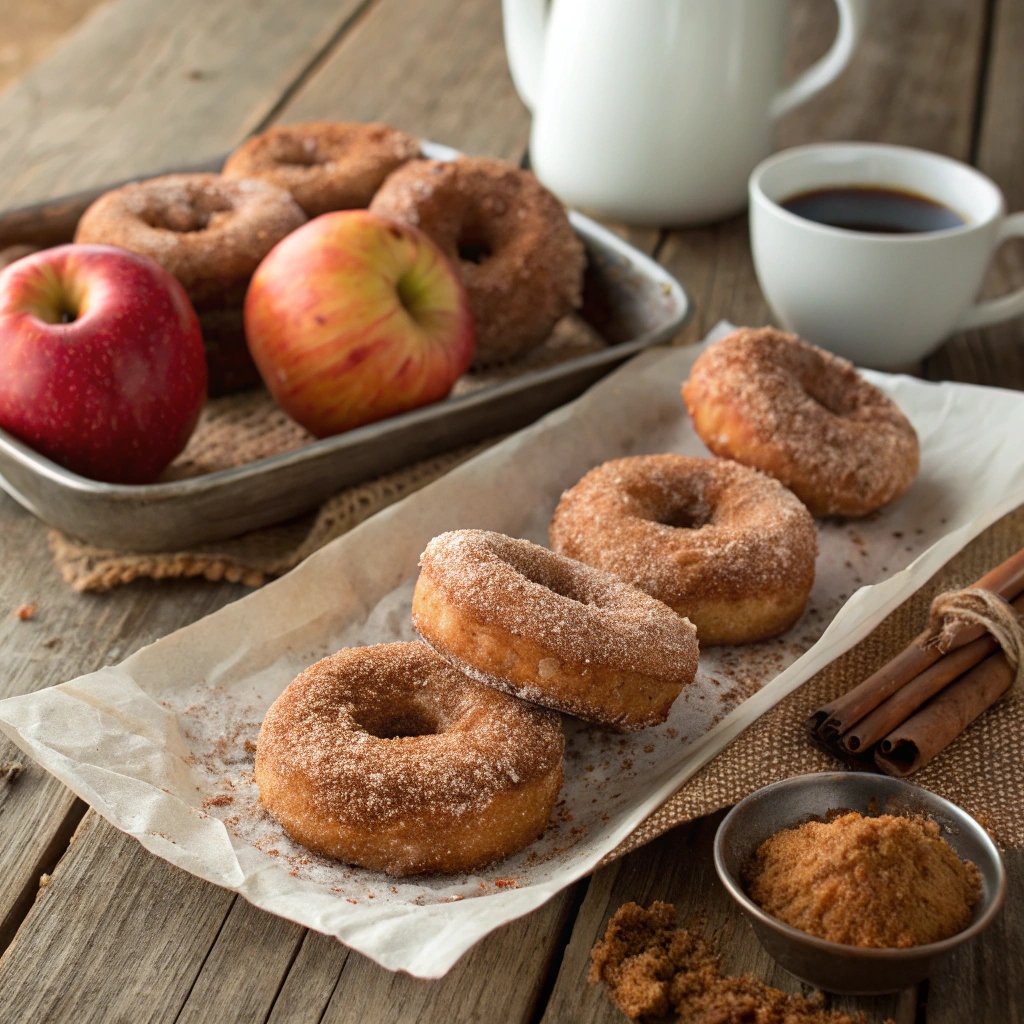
<point>95,928</point>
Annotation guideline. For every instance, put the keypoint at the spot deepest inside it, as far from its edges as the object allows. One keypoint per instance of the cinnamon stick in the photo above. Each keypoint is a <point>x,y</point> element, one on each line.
<point>830,722</point>
<point>913,744</point>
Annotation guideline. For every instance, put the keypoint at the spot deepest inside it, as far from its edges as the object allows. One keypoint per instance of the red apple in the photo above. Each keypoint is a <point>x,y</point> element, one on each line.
<point>101,361</point>
<point>354,317</point>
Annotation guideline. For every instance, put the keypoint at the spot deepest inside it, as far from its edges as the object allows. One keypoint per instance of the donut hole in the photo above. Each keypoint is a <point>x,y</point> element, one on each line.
<point>186,216</point>
<point>398,722</point>
<point>549,576</point>
<point>298,152</point>
<point>476,242</point>
<point>685,516</point>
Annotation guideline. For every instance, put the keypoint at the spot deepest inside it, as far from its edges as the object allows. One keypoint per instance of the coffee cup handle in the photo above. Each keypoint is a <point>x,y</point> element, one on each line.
<point>1005,307</point>
<point>852,15</point>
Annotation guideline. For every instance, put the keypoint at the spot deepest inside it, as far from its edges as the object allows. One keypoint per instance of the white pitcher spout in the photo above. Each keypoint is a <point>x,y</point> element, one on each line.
<point>525,22</point>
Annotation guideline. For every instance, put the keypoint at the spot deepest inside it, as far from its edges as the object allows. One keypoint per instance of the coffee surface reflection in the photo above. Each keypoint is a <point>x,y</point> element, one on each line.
<point>876,209</point>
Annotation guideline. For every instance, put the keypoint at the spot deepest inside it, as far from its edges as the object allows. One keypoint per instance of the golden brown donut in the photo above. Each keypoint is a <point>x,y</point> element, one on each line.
<point>724,545</point>
<point>326,165</point>
<point>209,232</point>
<point>523,619</point>
<point>388,758</point>
<point>509,237</point>
<point>771,401</point>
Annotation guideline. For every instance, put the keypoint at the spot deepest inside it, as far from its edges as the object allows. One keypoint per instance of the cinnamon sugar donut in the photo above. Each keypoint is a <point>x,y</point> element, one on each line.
<point>523,619</point>
<point>388,758</point>
<point>509,237</point>
<point>209,232</point>
<point>724,545</point>
<point>326,165</point>
<point>769,400</point>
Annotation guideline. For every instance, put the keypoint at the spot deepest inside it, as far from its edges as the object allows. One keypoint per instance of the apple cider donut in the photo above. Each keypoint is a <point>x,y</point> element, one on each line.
<point>724,545</point>
<point>326,165</point>
<point>388,758</point>
<point>518,617</point>
<point>807,417</point>
<point>509,237</point>
<point>210,232</point>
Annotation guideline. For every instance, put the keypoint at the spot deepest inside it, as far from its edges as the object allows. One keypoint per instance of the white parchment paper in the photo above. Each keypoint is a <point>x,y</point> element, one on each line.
<point>162,744</point>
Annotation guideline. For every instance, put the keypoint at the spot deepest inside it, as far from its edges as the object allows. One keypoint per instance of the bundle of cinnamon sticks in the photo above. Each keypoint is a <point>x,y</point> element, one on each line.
<point>917,704</point>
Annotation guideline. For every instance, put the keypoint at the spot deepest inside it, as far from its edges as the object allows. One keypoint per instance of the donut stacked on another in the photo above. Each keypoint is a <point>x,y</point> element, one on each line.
<point>551,630</point>
<point>210,233</point>
<point>388,758</point>
<point>771,401</point>
<point>325,165</point>
<point>726,546</point>
<point>510,239</point>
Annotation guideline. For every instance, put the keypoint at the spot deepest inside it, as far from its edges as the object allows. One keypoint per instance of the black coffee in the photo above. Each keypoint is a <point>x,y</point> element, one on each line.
<point>889,211</point>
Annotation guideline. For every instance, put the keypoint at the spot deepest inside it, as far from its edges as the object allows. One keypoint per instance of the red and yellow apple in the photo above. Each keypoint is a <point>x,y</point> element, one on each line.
<point>102,367</point>
<point>353,317</point>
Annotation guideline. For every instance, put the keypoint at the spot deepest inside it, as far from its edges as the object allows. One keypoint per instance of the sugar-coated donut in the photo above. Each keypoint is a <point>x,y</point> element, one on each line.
<point>209,232</point>
<point>807,417</point>
<point>523,619</point>
<point>325,165</point>
<point>389,758</point>
<point>509,237</point>
<point>724,545</point>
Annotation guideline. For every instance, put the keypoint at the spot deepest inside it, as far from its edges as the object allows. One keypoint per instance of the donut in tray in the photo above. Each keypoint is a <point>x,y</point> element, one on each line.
<point>510,239</point>
<point>325,165</point>
<point>807,417</point>
<point>726,546</point>
<point>553,631</point>
<point>211,233</point>
<point>389,758</point>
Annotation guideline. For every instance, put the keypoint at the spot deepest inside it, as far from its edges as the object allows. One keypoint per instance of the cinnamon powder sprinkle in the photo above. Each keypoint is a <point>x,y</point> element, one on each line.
<point>649,967</point>
<point>881,882</point>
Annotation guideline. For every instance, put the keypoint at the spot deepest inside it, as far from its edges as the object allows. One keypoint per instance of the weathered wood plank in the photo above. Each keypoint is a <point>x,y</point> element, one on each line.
<point>996,355</point>
<point>435,69</point>
<point>982,981</point>
<point>311,981</point>
<point>498,980</point>
<point>678,868</point>
<point>98,954</point>
<point>144,85</point>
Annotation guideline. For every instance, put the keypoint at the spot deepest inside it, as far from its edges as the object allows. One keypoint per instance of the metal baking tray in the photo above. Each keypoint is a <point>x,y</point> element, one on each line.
<point>630,300</point>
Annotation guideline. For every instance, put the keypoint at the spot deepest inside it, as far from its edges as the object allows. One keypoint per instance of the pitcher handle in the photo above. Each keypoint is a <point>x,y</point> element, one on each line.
<point>852,16</point>
<point>524,24</point>
<point>1006,306</point>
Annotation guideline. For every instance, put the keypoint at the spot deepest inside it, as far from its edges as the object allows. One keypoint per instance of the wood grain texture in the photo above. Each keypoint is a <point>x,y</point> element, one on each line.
<point>996,355</point>
<point>435,69</point>
<point>144,85</point>
<point>116,938</point>
<point>677,868</point>
<point>982,981</point>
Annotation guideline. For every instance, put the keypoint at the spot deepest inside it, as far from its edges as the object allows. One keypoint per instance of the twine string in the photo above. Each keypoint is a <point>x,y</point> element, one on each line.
<point>982,608</point>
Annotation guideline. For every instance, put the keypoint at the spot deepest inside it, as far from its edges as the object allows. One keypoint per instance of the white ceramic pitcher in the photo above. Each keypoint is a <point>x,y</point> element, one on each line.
<point>656,111</point>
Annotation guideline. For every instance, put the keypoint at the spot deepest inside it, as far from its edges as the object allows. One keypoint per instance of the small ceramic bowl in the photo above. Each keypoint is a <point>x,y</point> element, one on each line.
<point>830,965</point>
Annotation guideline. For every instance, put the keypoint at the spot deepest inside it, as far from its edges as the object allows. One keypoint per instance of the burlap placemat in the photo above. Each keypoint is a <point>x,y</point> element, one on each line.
<point>241,428</point>
<point>982,771</point>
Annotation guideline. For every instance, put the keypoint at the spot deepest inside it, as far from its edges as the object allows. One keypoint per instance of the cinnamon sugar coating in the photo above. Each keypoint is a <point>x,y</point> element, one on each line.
<point>389,758</point>
<point>726,546</point>
<point>806,416</point>
<point>509,238</point>
<point>527,620</point>
<point>881,882</point>
<point>325,165</point>
<point>209,232</point>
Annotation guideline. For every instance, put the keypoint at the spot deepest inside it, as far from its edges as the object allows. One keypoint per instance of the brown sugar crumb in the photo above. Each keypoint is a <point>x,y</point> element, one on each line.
<point>219,800</point>
<point>881,882</point>
<point>27,611</point>
<point>250,746</point>
<point>649,967</point>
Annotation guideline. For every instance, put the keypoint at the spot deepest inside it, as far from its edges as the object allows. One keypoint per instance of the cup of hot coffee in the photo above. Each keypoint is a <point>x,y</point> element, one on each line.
<point>877,252</point>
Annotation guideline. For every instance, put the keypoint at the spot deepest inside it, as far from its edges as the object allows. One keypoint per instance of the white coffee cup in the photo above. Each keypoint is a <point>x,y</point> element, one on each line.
<point>882,300</point>
<point>655,111</point>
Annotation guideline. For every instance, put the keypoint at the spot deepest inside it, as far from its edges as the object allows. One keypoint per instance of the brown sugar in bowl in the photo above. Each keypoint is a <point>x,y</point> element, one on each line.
<point>833,966</point>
